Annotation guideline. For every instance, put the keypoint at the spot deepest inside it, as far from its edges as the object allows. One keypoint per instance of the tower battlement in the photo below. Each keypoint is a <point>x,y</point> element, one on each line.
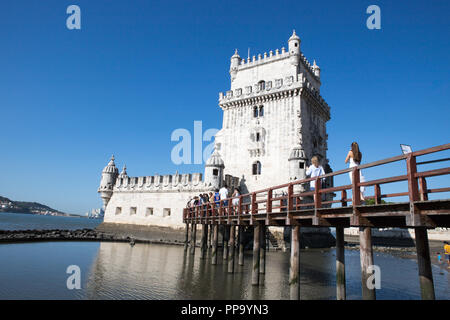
<point>162,183</point>
<point>271,89</point>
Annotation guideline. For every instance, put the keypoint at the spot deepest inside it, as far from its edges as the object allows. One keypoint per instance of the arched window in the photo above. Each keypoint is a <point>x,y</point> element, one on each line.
<point>256,168</point>
<point>261,111</point>
<point>258,137</point>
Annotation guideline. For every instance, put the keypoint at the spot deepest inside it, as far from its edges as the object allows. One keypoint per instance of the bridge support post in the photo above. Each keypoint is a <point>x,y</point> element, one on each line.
<point>204,241</point>
<point>340,264</point>
<point>256,249</point>
<point>241,246</point>
<point>231,250</point>
<point>193,237</point>
<point>424,263</point>
<point>294,269</point>
<point>226,233</point>
<point>262,251</point>
<point>210,236</point>
<point>215,228</point>
<point>366,255</point>
<point>186,239</point>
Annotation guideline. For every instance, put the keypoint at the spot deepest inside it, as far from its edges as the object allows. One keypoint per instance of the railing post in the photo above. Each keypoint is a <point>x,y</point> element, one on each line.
<point>356,197</point>
<point>254,208</point>
<point>344,198</point>
<point>239,211</point>
<point>340,264</point>
<point>377,192</point>
<point>424,263</point>
<point>423,189</point>
<point>317,201</point>
<point>290,204</point>
<point>269,206</point>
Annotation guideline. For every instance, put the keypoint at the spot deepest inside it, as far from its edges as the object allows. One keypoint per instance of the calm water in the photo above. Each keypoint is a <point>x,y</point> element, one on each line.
<point>118,271</point>
<point>21,221</point>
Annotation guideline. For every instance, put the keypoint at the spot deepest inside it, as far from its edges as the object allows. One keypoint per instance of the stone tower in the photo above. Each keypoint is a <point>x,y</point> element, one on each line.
<point>274,118</point>
<point>109,175</point>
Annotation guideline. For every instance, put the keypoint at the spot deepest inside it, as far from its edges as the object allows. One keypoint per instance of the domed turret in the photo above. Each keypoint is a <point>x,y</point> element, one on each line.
<point>109,176</point>
<point>214,170</point>
<point>235,62</point>
<point>297,163</point>
<point>316,69</point>
<point>294,48</point>
<point>123,174</point>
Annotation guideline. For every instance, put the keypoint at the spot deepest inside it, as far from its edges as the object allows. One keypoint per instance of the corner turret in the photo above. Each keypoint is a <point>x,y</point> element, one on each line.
<point>294,48</point>
<point>297,164</point>
<point>109,176</point>
<point>214,170</point>
<point>316,69</point>
<point>235,62</point>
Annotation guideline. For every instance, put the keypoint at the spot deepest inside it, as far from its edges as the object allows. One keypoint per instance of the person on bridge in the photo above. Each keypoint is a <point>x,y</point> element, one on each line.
<point>354,156</point>
<point>223,192</point>
<point>314,170</point>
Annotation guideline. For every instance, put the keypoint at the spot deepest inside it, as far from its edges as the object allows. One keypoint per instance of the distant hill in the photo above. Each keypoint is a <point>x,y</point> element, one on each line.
<point>8,205</point>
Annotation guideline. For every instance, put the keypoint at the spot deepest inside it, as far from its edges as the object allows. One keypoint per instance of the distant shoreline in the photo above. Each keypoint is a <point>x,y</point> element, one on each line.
<point>58,214</point>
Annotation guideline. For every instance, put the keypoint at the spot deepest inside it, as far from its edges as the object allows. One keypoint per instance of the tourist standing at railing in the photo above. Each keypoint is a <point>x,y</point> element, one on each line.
<point>354,156</point>
<point>223,192</point>
<point>211,197</point>
<point>217,197</point>
<point>235,201</point>
<point>314,170</point>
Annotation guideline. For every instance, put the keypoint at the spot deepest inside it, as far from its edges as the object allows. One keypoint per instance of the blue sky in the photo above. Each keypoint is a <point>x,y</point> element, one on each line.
<point>137,70</point>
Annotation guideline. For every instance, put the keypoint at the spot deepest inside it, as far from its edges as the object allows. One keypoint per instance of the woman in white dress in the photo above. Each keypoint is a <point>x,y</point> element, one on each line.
<point>354,156</point>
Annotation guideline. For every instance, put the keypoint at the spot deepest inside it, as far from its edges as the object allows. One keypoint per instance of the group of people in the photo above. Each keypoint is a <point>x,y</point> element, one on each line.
<point>215,197</point>
<point>354,157</point>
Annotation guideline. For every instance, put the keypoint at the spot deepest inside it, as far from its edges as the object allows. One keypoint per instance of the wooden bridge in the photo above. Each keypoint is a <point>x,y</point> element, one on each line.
<point>293,205</point>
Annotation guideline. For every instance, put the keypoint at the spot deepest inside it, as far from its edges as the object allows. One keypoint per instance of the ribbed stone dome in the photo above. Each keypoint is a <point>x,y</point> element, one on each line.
<point>297,152</point>
<point>294,36</point>
<point>111,167</point>
<point>215,160</point>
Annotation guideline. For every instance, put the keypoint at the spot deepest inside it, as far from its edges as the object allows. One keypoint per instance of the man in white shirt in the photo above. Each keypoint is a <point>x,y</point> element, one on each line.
<point>223,192</point>
<point>314,170</point>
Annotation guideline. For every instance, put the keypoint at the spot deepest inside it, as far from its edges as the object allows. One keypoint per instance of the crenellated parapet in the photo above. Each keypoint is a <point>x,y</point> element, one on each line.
<point>273,89</point>
<point>162,183</point>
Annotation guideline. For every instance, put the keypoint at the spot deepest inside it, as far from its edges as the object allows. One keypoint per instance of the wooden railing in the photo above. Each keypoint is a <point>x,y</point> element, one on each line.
<point>284,205</point>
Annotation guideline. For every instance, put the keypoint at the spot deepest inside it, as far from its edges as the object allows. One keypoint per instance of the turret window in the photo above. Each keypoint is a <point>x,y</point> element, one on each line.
<point>256,168</point>
<point>261,85</point>
<point>215,172</point>
<point>258,111</point>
